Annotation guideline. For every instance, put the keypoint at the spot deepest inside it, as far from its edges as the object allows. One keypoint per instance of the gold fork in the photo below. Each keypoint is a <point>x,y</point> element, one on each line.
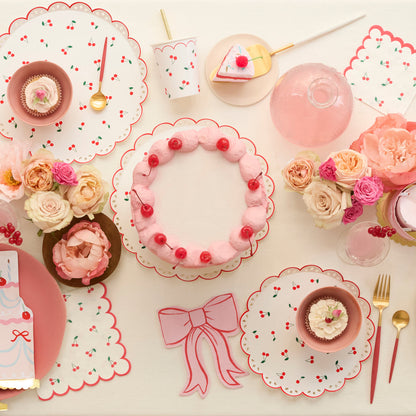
<point>381,298</point>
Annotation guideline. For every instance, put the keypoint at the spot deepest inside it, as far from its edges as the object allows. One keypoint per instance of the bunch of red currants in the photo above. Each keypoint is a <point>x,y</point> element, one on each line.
<point>10,232</point>
<point>381,232</point>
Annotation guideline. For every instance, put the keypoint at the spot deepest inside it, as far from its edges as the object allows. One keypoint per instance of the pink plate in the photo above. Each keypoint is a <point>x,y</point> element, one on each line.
<point>41,293</point>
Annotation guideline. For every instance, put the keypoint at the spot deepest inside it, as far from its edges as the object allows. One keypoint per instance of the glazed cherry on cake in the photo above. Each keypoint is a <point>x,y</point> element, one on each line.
<point>145,209</point>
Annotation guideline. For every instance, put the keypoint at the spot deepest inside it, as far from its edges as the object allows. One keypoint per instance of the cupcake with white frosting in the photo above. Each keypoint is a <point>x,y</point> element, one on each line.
<point>41,95</point>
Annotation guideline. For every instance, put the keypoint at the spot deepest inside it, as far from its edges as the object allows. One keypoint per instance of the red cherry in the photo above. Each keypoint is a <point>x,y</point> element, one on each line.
<point>253,184</point>
<point>223,144</point>
<point>26,315</point>
<point>241,61</point>
<point>160,239</point>
<point>2,281</point>
<point>174,143</point>
<point>180,253</point>
<point>153,160</point>
<point>205,257</point>
<point>146,210</point>
<point>246,232</point>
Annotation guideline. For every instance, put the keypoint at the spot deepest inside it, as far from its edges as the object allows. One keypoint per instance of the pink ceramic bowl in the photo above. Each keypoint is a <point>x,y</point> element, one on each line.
<point>36,68</point>
<point>350,333</point>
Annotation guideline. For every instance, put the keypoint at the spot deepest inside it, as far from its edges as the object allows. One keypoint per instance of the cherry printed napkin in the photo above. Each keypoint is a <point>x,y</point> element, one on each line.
<point>214,321</point>
<point>382,73</point>
<point>91,349</point>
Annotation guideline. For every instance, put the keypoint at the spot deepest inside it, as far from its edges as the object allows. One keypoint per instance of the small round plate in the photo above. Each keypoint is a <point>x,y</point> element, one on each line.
<point>240,93</point>
<point>110,230</point>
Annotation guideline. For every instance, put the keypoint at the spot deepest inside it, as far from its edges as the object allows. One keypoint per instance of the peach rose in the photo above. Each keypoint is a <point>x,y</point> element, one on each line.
<point>326,203</point>
<point>390,146</point>
<point>350,167</point>
<point>90,195</point>
<point>11,180</point>
<point>298,173</point>
<point>37,174</point>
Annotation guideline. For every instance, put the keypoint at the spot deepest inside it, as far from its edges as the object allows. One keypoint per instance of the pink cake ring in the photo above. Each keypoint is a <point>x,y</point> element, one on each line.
<point>144,207</point>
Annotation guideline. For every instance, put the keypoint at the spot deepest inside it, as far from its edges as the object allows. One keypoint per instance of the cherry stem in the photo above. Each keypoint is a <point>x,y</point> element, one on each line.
<point>138,197</point>
<point>258,176</point>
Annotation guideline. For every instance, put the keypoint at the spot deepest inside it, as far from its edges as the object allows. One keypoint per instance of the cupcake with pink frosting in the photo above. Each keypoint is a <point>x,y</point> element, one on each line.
<point>41,95</point>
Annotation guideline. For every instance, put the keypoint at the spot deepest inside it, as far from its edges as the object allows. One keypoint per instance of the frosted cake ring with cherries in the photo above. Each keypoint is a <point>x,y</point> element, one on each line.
<point>143,199</point>
<point>229,193</point>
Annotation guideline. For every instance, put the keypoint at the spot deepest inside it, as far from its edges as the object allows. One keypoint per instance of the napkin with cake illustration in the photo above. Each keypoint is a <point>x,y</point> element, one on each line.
<point>382,72</point>
<point>17,369</point>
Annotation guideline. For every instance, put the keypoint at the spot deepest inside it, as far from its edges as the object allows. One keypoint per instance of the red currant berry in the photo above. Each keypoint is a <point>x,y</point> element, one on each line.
<point>175,144</point>
<point>153,160</point>
<point>17,234</point>
<point>160,239</point>
<point>371,230</point>
<point>12,240</point>
<point>328,320</point>
<point>2,229</point>
<point>180,253</point>
<point>246,232</point>
<point>241,61</point>
<point>253,184</point>
<point>205,257</point>
<point>223,144</point>
<point>7,234</point>
<point>11,228</point>
<point>18,241</point>
<point>2,281</point>
<point>385,228</point>
<point>26,315</point>
<point>146,210</point>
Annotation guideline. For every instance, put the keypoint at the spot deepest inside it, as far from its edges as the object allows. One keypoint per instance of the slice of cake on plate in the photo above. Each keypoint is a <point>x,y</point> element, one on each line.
<point>237,66</point>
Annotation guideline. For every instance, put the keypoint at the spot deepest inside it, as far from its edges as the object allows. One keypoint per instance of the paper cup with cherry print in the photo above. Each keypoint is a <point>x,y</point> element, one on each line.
<point>178,67</point>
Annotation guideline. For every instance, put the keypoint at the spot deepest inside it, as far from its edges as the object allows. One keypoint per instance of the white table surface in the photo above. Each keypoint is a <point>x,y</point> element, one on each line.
<point>158,374</point>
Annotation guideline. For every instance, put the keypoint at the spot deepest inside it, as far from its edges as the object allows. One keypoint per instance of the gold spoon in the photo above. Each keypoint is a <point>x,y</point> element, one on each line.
<point>98,100</point>
<point>400,320</point>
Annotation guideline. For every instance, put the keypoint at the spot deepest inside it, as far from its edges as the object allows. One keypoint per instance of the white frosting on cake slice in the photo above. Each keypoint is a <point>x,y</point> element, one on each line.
<point>232,71</point>
<point>406,208</point>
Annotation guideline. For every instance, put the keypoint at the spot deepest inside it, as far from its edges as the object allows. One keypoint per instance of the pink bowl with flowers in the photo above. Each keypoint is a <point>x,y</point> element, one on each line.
<point>346,337</point>
<point>28,71</point>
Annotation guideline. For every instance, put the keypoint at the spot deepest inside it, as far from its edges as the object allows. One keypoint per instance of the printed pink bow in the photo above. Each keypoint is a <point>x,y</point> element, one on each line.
<point>213,321</point>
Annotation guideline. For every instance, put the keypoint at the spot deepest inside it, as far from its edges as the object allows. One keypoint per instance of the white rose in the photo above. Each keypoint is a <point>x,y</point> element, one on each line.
<point>326,203</point>
<point>90,195</point>
<point>48,211</point>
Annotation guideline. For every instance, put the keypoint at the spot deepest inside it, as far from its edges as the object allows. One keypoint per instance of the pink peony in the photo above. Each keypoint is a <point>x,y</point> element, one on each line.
<point>82,253</point>
<point>64,174</point>
<point>327,170</point>
<point>353,212</point>
<point>11,170</point>
<point>368,190</point>
<point>390,146</point>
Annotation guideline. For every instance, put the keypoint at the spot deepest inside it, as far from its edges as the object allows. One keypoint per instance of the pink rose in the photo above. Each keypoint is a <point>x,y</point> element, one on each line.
<point>390,146</point>
<point>327,170</point>
<point>11,180</point>
<point>64,174</point>
<point>368,190</point>
<point>37,174</point>
<point>353,212</point>
<point>82,253</point>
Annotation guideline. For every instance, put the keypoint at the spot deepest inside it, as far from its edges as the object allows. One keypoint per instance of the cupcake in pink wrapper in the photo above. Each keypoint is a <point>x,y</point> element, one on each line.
<point>83,253</point>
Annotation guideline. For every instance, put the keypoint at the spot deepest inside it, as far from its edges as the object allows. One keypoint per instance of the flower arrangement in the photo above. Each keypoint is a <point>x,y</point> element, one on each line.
<point>55,191</point>
<point>336,190</point>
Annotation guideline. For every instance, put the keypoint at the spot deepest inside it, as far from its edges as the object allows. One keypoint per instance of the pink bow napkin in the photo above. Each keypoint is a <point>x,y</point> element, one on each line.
<point>216,320</point>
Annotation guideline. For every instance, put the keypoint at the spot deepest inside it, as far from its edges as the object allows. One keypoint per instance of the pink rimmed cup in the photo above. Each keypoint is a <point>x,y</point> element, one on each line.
<point>349,334</point>
<point>28,71</point>
<point>178,67</point>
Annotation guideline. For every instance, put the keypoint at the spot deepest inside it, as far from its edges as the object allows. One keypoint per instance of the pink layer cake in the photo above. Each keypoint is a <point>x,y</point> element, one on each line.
<point>144,202</point>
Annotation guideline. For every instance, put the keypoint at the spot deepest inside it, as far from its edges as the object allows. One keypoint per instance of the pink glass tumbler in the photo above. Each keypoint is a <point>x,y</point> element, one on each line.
<point>311,105</point>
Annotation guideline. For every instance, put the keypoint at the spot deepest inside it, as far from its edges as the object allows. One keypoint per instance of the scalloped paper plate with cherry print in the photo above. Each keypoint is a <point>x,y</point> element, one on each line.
<point>73,37</point>
<point>199,198</point>
<point>276,352</point>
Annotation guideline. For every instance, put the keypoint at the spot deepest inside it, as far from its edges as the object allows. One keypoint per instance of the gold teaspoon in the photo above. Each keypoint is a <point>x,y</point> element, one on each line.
<point>400,320</point>
<point>98,100</point>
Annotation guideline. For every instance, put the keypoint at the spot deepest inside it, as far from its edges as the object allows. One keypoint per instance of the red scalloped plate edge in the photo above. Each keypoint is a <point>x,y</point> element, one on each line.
<point>240,137</point>
<point>383,32</point>
<point>118,342</point>
<point>128,36</point>
<point>367,317</point>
